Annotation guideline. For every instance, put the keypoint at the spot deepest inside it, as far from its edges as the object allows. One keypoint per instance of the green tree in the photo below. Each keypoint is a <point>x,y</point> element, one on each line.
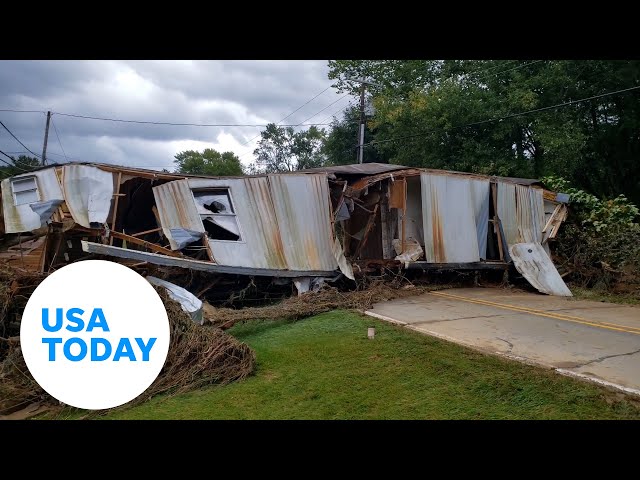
<point>282,149</point>
<point>340,144</point>
<point>208,162</point>
<point>438,114</point>
<point>19,165</point>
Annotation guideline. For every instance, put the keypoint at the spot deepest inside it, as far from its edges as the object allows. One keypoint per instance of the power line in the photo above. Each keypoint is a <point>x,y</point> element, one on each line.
<point>18,140</point>
<point>303,122</point>
<point>145,122</point>
<point>516,67</point>
<point>513,115</point>
<point>58,136</point>
<point>337,111</point>
<point>20,111</point>
<point>13,160</point>
<point>282,120</point>
<point>332,103</point>
<point>304,104</point>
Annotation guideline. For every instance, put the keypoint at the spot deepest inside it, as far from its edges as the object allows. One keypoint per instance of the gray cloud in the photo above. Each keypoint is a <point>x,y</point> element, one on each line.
<point>230,92</point>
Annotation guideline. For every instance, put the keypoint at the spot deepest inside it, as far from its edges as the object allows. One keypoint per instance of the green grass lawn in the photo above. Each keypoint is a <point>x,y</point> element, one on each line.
<point>324,367</point>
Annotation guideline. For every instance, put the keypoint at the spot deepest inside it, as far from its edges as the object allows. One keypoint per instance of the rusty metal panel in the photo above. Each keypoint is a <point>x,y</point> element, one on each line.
<point>521,211</point>
<point>507,212</point>
<point>303,211</point>
<point>450,234</point>
<point>21,218</point>
<point>359,169</point>
<point>260,245</point>
<point>176,209</point>
<point>88,192</point>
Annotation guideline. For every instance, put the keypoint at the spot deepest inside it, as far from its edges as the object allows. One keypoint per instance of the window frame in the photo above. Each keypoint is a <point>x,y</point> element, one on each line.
<point>232,203</point>
<point>21,179</point>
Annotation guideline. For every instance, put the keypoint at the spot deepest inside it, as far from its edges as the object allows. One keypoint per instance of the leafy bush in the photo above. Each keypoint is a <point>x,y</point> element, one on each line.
<point>594,212</point>
<point>600,243</point>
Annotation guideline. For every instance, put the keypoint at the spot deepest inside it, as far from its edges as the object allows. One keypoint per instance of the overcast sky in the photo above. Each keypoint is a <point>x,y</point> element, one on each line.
<point>212,92</point>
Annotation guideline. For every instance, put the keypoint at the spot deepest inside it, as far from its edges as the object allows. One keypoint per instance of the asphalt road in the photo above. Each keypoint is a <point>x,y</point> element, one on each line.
<point>593,340</point>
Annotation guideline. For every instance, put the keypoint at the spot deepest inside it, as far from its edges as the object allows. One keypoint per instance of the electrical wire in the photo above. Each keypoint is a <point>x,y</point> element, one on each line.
<point>283,119</point>
<point>21,111</point>
<point>146,122</point>
<point>18,140</point>
<point>58,137</point>
<point>303,122</point>
<point>13,160</point>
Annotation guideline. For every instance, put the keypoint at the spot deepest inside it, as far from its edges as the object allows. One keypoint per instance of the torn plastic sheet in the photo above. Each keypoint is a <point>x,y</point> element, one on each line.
<point>343,212</point>
<point>412,251</point>
<point>184,236</point>
<point>188,301</point>
<point>45,209</point>
<point>311,284</point>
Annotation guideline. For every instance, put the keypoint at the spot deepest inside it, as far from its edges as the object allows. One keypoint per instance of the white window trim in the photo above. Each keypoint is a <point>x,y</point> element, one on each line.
<point>234,214</point>
<point>37,190</point>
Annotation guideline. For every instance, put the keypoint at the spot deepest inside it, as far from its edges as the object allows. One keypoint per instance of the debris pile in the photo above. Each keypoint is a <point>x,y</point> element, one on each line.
<point>313,303</point>
<point>197,355</point>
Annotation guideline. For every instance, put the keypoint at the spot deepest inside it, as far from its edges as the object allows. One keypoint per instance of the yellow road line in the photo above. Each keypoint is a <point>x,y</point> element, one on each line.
<point>534,310</point>
<point>541,313</point>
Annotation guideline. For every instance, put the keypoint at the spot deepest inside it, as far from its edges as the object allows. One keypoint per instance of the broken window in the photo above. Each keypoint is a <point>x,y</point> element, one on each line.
<point>217,213</point>
<point>25,190</point>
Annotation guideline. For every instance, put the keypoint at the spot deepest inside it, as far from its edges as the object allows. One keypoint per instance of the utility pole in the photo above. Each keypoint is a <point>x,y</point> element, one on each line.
<point>362,120</point>
<point>46,138</point>
<point>363,83</point>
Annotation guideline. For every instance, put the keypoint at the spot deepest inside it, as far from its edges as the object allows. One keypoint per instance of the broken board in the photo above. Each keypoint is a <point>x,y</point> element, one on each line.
<point>534,264</point>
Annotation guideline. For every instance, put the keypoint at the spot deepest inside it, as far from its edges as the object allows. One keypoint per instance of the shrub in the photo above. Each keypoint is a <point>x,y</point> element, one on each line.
<point>600,243</point>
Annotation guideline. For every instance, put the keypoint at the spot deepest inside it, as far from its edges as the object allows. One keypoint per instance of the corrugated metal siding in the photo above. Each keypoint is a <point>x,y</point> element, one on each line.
<point>176,209</point>
<point>480,192</point>
<point>507,212</point>
<point>260,245</point>
<point>450,233</point>
<point>301,202</point>
<point>21,218</point>
<point>521,211</point>
<point>88,192</point>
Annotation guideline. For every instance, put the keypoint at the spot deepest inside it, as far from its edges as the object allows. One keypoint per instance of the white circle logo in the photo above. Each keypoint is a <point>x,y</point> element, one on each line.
<point>94,334</point>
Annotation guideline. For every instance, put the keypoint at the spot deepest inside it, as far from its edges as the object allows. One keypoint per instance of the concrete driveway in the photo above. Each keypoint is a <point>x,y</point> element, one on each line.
<point>594,340</point>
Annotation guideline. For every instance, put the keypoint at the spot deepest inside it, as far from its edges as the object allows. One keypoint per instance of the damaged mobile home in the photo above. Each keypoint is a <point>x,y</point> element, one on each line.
<point>317,223</point>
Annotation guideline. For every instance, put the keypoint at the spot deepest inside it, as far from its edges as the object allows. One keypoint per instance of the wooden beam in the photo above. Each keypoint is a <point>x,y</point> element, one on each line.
<point>115,208</point>
<point>139,234</point>
<point>367,231</point>
<point>205,240</point>
<point>421,265</point>
<point>404,214</point>
<point>149,245</point>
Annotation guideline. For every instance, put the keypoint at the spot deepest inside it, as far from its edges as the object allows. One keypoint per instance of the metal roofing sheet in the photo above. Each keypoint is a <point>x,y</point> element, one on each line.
<point>359,169</point>
<point>535,265</point>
